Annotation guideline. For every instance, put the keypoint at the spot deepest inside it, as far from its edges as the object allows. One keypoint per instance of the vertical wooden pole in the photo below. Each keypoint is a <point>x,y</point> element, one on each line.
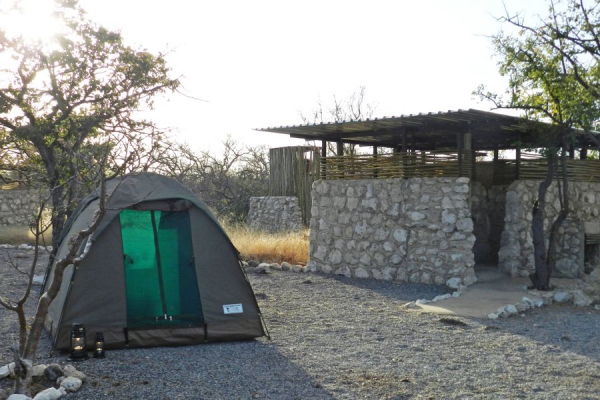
<point>404,151</point>
<point>469,159</point>
<point>340,148</point>
<point>375,171</point>
<point>323,166</point>
<point>340,153</point>
<point>460,153</point>
<point>495,165</point>
<point>583,153</point>
<point>518,158</point>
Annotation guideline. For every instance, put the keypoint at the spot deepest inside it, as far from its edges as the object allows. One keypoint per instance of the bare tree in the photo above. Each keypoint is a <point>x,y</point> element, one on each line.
<point>29,335</point>
<point>224,182</point>
<point>353,108</point>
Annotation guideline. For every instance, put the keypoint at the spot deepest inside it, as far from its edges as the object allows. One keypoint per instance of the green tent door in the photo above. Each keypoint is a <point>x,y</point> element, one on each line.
<point>160,272</point>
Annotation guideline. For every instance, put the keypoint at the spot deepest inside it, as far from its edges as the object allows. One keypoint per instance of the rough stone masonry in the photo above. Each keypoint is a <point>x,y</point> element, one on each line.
<point>414,230</point>
<point>275,214</point>
<point>18,207</point>
<point>516,253</point>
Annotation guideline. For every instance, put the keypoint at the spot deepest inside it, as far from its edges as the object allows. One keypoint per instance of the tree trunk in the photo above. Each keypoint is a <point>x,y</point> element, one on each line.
<point>58,216</point>
<point>540,279</point>
<point>23,374</point>
<point>24,355</point>
<point>564,209</point>
<point>545,261</point>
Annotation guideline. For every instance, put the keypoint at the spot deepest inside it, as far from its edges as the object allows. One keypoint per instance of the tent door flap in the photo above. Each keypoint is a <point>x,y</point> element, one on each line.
<point>159,269</point>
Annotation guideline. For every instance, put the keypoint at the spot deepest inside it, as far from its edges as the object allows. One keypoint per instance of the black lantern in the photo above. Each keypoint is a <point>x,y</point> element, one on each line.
<point>99,346</point>
<point>78,351</point>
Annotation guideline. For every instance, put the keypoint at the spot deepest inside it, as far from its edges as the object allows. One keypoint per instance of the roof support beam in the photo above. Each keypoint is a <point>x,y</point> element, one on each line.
<point>335,136</point>
<point>518,158</point>
<point>340,148</point>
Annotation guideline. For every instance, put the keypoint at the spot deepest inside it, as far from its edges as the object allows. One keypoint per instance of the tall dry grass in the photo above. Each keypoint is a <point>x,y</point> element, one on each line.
<point>18,235</point>
<point>291,247</point>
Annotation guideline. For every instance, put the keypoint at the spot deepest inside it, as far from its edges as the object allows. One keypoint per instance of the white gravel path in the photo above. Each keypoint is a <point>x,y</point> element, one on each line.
<point>340,338</point>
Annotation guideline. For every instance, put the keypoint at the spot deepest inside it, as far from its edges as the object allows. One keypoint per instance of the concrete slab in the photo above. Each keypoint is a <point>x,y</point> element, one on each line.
<point>492,290</point>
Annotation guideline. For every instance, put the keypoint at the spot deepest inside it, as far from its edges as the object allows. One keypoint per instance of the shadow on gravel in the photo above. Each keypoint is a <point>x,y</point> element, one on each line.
<point>557,328</point>
<point>234,370</point>
<point>393,289</point>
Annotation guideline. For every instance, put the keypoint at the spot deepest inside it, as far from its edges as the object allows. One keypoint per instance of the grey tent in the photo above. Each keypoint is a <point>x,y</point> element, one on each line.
<point>160,271</point>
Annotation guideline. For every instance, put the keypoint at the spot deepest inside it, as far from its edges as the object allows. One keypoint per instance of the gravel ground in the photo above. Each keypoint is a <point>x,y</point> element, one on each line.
<point>340,338</point>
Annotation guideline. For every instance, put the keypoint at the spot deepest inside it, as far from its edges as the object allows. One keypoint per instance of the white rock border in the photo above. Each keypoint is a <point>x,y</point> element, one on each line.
<point>70,380</point>
<point>540,299</point>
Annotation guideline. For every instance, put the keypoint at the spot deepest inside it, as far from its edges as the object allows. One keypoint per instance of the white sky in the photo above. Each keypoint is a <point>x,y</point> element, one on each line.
<point>259,63</point>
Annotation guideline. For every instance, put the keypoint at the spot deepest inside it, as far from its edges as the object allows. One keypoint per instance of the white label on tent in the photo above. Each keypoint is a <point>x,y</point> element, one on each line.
<point>232,309</point>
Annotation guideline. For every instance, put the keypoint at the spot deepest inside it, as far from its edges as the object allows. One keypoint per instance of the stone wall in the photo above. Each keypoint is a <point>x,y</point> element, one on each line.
<point>416,230</point>
<point>275,214</point>
<point>516,254</point>
<point>17,207</point>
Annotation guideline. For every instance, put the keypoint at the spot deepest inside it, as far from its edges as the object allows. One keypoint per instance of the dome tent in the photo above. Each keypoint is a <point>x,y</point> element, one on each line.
<point>160,271</point>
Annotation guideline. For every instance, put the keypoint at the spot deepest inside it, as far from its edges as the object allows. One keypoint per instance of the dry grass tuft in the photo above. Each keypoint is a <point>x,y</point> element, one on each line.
<point>16,235</point>
<point>291,247</point>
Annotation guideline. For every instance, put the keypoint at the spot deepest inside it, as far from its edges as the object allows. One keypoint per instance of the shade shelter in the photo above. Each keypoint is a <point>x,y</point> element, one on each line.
<point>160,271</point>
<point>436,144</point>
<point>440,192</point>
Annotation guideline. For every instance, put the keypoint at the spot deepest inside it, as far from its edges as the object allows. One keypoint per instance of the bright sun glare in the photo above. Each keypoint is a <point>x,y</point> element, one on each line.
<point>33,20</point>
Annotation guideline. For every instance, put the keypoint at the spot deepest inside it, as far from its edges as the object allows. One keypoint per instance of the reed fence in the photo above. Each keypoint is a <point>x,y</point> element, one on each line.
<point>397,165</point>
<point>505,171</point>
<point>292,172</point>
<point>443,164</point>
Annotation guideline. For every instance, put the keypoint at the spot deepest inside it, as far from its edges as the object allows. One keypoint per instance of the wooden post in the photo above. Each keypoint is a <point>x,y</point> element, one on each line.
<point>572,152</point>
<point>459,143</point>
<point>404,151</point>
<point>323,166</point>
<point>340,153</point>
<point>583,153</point>
<point>495,164</point>
<point>375,172</point>
<point>518,158</point>
<point>468,150</point>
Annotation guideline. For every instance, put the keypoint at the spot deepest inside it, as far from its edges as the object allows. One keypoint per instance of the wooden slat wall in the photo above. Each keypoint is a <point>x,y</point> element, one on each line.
<point>292,175</point>
<point>577,170</point>
<point>398,165</point>
<point>440,164</point>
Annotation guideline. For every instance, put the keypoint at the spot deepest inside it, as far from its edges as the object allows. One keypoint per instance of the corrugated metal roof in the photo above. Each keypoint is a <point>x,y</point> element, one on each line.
<point>428,131</point>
